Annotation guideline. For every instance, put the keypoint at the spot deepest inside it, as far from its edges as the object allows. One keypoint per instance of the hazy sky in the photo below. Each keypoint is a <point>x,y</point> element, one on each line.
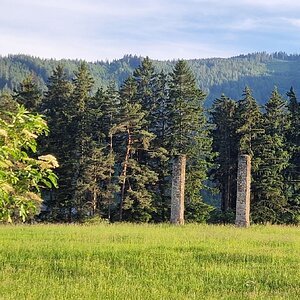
<point>162,29</point>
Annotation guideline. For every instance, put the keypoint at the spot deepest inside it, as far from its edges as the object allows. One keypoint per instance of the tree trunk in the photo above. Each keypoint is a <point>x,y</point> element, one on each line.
<point>124,174</point>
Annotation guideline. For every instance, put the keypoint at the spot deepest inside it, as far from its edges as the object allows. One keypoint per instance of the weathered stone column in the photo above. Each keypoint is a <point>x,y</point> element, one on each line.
<point>177,196</point>
<point>243,191</point>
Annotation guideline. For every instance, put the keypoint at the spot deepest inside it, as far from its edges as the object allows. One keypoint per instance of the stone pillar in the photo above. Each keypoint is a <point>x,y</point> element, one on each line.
<point>177,196</point>
<point>243,191</point>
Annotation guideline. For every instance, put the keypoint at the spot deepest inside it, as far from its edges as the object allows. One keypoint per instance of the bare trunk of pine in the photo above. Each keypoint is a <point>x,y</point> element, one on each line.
<point>110,175</point>
<point>124,174</point>
<point>94,199</point>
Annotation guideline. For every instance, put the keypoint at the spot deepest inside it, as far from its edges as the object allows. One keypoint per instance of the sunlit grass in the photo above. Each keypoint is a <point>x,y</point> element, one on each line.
<point>125,261</point>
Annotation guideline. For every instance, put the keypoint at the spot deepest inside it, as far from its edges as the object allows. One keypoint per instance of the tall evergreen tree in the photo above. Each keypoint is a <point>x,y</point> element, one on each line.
<point>160,126</point>
<point>56,107</point>
<point>248,122</point>
<point>152,94</point>
<point>145,77</point>
<point>81,95</point>
<point>292,173</point>
<point>225,143</point>
<point>99,171</point>
<point>133,143</point>
<point>189,130</point>
<point>269,198</point>
<point>29,94</point>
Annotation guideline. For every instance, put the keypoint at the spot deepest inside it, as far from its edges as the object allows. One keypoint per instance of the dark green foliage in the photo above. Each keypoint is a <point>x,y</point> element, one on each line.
<point>292,173</point>
<point>80,133</point>
<point>225,143</point>
<point>269,198</point>
<point>152,94</point>
<point>28,93</point>
<point>115,146</point>
<point>57,108</point>
<point>260,71</point>
<point>134,143</point>
<point>7,104</point>
<point>198,212</point>
<point>248,123</point>
<point>189,130</point>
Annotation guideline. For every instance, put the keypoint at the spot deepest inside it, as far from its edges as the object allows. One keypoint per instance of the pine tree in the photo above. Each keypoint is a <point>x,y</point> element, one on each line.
<point>226,145</point>
<point>292,173</point>
<point>160,126</point>
<point>248,123</point>
<point>269,199</point>
<point>189,129</point>
<point>145,77</point>
<point>152,94</point>
<point>99,171</point>
<point>7,104</point>
<point>29,94</point>
<point>133,143</point>
<point>56,107</point>
<point>81,95</point>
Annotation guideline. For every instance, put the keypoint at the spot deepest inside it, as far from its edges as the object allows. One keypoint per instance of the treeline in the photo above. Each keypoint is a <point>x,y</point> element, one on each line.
<point>260,71</point>
<point>271,136</point>
<point>115,146</point>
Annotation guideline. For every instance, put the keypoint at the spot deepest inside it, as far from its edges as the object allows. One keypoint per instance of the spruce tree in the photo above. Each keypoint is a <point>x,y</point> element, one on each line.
<point>269,202</point>
<point>160,126</point>
<point>225,143</point>
<point>56,107</point>
<point>189,130</point>
<point>152,94</point>
<point>29,94</point>
<point>100,183</point>
<point>133,143</point>
<point>81,95</point>
<point>292,173</point>
<point>248,123</point>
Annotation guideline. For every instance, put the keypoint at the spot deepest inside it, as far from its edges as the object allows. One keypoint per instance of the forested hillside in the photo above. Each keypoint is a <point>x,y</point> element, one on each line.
<point>260,71</point>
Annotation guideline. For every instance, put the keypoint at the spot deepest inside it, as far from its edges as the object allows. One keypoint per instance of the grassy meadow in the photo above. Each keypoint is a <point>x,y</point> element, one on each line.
<point>126,261</point>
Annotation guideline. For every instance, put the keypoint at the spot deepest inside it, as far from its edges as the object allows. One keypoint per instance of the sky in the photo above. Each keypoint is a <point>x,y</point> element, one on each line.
<point>161,29</point>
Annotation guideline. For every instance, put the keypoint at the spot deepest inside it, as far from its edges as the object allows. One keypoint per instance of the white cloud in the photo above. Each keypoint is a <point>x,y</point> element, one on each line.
<point>99,29</point>
<point>293,21</point>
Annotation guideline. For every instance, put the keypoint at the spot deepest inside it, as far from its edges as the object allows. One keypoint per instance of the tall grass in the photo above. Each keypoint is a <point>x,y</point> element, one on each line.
<point>125,261</point>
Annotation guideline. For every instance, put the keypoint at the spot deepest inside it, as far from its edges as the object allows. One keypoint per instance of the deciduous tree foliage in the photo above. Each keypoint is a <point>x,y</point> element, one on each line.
<point>21,175</point>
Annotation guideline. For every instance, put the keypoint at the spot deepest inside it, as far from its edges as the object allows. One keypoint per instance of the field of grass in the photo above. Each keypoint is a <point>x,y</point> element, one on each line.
<point>125,261</point>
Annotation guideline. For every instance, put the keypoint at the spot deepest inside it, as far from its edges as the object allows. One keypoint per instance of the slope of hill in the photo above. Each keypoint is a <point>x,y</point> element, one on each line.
<point>260,71</point>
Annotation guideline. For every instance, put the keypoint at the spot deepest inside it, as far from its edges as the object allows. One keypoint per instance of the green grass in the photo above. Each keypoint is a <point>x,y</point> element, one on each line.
<point>125,261</point>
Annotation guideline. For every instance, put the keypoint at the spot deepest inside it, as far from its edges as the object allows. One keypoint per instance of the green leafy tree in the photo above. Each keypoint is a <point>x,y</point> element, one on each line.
<point>21,175</point>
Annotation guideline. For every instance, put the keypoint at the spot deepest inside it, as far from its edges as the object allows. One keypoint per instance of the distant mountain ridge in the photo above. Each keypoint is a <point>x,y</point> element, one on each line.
<point>260,71</point>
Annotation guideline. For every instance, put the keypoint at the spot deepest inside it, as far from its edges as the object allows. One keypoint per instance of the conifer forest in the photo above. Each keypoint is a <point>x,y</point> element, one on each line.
<point>74,148</point>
